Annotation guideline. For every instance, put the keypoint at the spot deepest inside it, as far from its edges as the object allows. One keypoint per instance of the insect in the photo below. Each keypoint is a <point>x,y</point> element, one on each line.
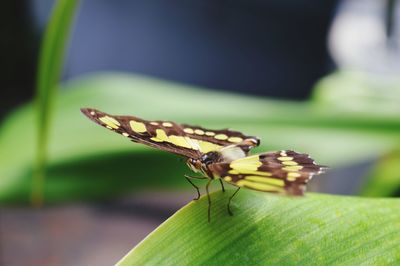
<point>218,155</point>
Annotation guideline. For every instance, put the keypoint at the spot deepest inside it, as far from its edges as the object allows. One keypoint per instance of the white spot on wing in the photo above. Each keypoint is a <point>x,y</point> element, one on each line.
<point>232,152</point>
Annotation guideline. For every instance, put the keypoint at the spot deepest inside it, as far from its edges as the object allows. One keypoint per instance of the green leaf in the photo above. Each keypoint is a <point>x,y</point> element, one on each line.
<point>76,144</point>
<point>274,230</point>
<point>50,66</point>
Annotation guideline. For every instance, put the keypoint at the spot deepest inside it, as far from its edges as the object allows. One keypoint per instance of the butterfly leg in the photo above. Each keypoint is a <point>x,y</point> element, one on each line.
<point>222,185</point>
<point>195,177</point>
<point>229,201</point>
<point>196,187</point>
<point>209,200</point>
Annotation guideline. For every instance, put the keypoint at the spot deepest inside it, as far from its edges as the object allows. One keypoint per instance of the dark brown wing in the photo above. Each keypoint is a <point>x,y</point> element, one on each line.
<point>189,141</point>
<point>161,135</point>
<point>280,172</point>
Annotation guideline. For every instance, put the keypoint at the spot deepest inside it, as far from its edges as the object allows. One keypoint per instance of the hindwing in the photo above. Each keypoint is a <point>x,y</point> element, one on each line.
<point>281,172</point>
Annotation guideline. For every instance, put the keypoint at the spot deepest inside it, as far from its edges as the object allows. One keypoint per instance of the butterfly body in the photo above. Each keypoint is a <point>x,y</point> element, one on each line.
<point>207,162</point>
<point>218,154</point>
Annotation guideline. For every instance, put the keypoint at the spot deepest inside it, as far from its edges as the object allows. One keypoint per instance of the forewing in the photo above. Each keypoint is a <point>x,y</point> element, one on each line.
<point>190,141</point>
<point>162,135</point>
<point>280,172</point>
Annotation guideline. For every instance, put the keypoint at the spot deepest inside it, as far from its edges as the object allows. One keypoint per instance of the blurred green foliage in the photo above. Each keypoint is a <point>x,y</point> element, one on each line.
<point>375,96</point>
<point>352,118</point>
<point>85,162</point>
<point>384,179</point>
<point>75,142</point>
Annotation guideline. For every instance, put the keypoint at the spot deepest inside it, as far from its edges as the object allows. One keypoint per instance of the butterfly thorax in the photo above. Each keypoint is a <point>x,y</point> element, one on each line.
<point>208,161</point>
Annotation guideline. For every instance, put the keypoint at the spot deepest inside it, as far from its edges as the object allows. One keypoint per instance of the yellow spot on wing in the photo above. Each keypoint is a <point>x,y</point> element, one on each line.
<point>193,143</point>
<point>292,176</point>
<point>188,130</point>
<point>285,158</point>
<point>235,139</point>
<point>160,136</point>
<point>233,172</point>
<point>167,124</point>
<point>228,178</point>
<point>289,163</point>
<point>259,186</point>
<point>110,122</point>
<point>199,132</point>
<point>138,127</point>
<point>266,180</point>
<point>206,146</point>
<point>292,168</point>
<point>221,136</point>
<point>209,133</point>
<point>242,167</point>
<point>179,141</point>
<point>250,163</point>
<point>249,172</point>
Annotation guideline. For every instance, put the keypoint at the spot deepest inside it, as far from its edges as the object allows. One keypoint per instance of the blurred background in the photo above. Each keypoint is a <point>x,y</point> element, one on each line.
<point>317,77</point>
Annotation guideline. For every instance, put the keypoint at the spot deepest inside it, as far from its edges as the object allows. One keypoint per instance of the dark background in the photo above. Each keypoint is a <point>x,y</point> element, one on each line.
<point>257,47</point>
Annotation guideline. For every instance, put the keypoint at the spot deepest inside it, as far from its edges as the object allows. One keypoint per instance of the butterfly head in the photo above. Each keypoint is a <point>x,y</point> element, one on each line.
<point>194,164</point>
<point>200,165</point>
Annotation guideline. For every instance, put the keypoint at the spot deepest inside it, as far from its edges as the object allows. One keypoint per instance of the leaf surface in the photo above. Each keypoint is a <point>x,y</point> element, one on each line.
<point>267,229</point>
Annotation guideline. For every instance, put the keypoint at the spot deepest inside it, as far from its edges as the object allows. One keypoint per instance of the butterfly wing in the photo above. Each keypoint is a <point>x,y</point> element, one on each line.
<point>161,135</point>
<point>223,137</point>
<point>285,172</point>
<point>189,141</point>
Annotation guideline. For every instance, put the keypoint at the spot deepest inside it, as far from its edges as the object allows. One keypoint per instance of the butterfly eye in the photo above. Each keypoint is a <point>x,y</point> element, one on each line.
<point>193,164</point>
<point>192,161</point>
<point>210,157</point>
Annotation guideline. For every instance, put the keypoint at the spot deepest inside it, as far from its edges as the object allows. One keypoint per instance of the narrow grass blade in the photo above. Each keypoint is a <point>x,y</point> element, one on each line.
<point>50,66</point>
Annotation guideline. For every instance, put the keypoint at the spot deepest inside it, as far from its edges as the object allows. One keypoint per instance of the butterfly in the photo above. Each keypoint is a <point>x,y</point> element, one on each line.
<point>218,155</point>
